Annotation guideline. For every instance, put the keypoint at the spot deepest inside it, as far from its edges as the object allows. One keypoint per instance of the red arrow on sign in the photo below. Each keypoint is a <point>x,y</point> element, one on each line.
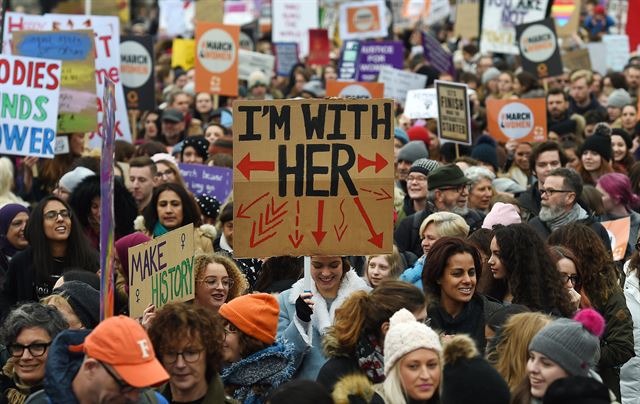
<point>252,239</point>
<point>295,241</point>
<point>343,227</point>
<point>376,238</point>
<point>319,233</point>
<point>242,210</point>
<point>379,162</point>
<point>381,196</point>
<point>245,166</point>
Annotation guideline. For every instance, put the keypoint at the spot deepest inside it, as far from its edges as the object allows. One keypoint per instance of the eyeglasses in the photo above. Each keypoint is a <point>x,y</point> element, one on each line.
<point>36,350</point>
<point>166,173</point>
<point>457,188</point>
<point>417,179</point>
<point>189,356</point>
<point>575,279</point>
<point>229,328</point>
<point>53,214</point>
<point>124,386</point>
<point>212,282</point>
<point>550,191</point>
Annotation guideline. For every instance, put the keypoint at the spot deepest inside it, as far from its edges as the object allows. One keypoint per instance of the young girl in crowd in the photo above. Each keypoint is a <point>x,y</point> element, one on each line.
<point>621,144</point>
<point>568,265</point>
<point>218,280</point>
<point>381,267</point>
<point>355,341</point>
<point>595,155</point>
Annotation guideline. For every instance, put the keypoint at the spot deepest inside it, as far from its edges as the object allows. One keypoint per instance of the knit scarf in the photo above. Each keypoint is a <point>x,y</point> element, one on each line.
<point>576,213</point>
<point>159,230</point>
<point>370,358</point>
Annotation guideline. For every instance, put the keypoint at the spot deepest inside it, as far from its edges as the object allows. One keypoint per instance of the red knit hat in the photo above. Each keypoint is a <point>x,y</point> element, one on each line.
<point>255,315</point>
<point>419,133</point>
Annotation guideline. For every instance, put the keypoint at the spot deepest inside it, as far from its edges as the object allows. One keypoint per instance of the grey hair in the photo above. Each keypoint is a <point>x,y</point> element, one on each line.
<point>570,179</point>
<point>478,173</point>
<point>32,315</point>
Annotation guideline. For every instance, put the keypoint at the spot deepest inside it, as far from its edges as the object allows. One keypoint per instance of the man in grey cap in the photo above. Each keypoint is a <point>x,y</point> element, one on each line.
<point>448,192</point>
<point>173,126</point>
<point>409,153</point>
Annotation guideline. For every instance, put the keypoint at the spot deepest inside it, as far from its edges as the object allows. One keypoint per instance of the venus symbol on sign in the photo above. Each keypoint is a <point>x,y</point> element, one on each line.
<point>182,240</point>
<point>137,295</point>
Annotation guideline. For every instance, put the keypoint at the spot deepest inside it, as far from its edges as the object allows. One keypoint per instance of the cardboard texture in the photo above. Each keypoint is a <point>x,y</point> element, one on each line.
<point>29,106</point>
<point>161,271</point>
<point>566,14</point>
<point>354,89</point>
<point>522,119</point>
<point>467,19</point>
<point>577,59</point>
<point>136,68</point>
<point>454,117</point>
<point>78,109</point>
<point>209,11</point>
<point>539,49</point>
<point>313,177</point>
<point>619,234</point>
<point>217,58</point>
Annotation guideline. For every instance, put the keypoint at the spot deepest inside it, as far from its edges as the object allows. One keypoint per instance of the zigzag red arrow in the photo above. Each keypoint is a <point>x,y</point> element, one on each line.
<point>340,233</point>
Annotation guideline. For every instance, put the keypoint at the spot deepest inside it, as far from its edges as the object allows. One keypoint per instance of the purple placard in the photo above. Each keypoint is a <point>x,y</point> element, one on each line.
<point>286,57</point>
<point>375,55</point>
<point>436,56</point>
<point>213,181</point>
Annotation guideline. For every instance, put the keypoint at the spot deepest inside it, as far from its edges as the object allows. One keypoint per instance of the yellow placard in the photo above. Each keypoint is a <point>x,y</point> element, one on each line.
<point>184,53</point>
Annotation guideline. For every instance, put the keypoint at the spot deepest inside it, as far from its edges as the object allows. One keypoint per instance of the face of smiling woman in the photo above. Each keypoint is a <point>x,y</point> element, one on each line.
<point>326,272</point>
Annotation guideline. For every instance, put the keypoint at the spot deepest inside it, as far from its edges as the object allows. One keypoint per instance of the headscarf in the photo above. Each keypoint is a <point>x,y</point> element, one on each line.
<point>7,214</point>
<point>123,244</point>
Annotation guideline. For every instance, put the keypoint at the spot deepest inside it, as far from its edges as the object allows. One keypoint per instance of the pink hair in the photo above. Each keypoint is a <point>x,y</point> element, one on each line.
<point>618,186</point>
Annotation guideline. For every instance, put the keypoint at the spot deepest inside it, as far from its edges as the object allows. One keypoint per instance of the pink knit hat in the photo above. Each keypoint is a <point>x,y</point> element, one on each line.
<point>501,213</point>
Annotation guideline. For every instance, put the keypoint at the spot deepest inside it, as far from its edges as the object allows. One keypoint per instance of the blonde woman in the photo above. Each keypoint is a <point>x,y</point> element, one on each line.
<point>512,349</point>
<point>435,226</point>
<point>380,267</point>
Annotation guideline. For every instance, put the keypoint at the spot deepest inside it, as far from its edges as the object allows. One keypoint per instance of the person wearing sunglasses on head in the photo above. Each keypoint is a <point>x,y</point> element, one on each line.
<point>27,334</point>
<point>56,242</point>
<point>113,363</point>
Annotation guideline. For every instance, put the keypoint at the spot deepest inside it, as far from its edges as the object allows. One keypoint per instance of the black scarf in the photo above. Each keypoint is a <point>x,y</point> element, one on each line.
<point>470,321</point>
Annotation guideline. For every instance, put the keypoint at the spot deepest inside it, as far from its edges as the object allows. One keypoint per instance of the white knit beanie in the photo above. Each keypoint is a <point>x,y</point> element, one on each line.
<point>71,179</point>
<point>406,335</point>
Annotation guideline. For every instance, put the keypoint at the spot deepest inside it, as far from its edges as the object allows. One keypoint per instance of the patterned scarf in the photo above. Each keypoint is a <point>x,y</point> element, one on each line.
<point>370,358</point>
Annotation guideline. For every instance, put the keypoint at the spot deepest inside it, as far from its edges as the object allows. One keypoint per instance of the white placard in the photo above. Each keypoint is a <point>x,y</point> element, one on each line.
<point>421,104</point>
<point>21,22</point>
<point>62,145</point>
<point>292,20</point>
<point>617,51</point>
<point>398,82</point>
<point>362,20</point>
<point>249,62</point>
<point>176,18</point>
<point>598,56</point>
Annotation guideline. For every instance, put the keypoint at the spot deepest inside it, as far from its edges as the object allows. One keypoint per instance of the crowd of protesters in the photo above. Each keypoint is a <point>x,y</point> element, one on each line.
<point>502,286</point>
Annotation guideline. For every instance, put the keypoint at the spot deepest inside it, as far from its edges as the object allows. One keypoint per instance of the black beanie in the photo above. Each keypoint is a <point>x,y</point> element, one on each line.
<point>468,378</point>
<point>576,390</point>
<point>199,143</point>
<point>624,135</point>
<point>600,144</point>
<point>84,301</point>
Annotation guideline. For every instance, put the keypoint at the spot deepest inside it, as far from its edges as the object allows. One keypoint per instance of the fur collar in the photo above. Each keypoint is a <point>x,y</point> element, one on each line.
<point>322,317</point>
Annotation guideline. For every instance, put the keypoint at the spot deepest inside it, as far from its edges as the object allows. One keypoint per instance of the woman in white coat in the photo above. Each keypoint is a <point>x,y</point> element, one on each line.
<point>306,315</point>
<point>630,372</point>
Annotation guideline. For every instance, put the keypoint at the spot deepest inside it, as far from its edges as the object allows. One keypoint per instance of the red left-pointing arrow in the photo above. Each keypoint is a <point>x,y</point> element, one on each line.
<point>245,166</point>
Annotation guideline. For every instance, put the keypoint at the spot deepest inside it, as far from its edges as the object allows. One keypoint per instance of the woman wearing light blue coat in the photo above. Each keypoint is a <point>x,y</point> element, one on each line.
<point>306,315</point>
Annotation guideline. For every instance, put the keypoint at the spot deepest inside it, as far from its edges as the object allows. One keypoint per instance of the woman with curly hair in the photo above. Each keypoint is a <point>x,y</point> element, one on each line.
<point>523,272</point>
<point>188,341</point>
<point>600,283</point>
<point>450,277</point>
<point>218,280</point>
<point>354,342</point>
<point>512,348</point>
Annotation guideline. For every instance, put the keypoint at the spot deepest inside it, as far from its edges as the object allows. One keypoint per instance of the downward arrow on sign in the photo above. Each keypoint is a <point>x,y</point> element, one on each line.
<point>319,233</point>
<point>376,238</point>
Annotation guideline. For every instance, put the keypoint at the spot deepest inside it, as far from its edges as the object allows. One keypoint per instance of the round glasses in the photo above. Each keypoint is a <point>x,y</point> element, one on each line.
<point>189,356</point>
<point>212,282</point>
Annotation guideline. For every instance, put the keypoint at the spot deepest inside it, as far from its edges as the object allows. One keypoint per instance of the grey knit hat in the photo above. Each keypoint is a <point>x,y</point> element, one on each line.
<point>490,74</point>
<point>619,98</point>
<point>423,166</point>
<point>573,344</point>
<point>413,151</point>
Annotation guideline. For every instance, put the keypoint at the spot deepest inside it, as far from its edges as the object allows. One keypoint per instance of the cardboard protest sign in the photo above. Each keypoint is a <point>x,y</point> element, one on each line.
<point>354,89</point>
<point>566,14</point>
<point>617,51</point>
<point>454,117</point>
<point>539,49</point>
<point>209,10</point>
<point>467,19</point>
<point>398,82</point>
<point>313,177</point>
<point>576,59</point>
<point>184,53</point>
<point>348,67</point>
<point>618,231</point>
<point>421,104</point>
<point>14,22</point>
<point>286,57</point>
<point>213,181</point>
<point>319,47</point>
<point>77,105</point>
<point>252,61</point>
<point>375,55</point>
<point>176,18</point>
<point>217,58</point>
<point>521,119</point>
<point>161,271</point>
<point>107,45</point>
<point>30,92</point>
<point>436,55</point>
<point>362,20</point>
<point>136,67</point>
<point>292,20</point>
<point>499,19</point>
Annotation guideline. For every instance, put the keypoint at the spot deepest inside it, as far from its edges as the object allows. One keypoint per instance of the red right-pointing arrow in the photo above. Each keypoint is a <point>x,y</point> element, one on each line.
<point>364,162</point>
<point>376,238</point>
<point>245,166</point>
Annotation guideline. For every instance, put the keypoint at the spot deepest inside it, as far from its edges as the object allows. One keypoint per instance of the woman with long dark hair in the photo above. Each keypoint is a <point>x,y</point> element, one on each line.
<point>523,272</point>
<point>56,242</point>
<point>599,281</point>
<point>13,222</point>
